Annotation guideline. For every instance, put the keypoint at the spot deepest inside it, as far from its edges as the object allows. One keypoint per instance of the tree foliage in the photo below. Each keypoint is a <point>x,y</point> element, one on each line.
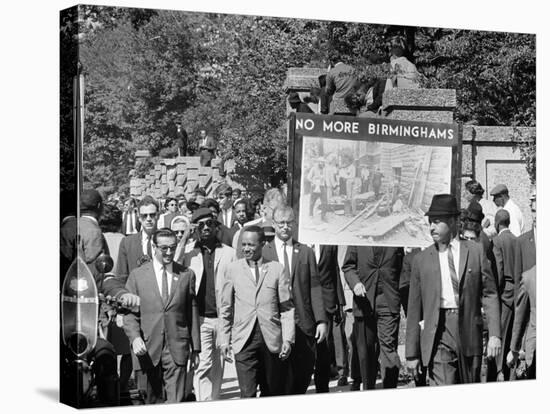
<point>146,70</point>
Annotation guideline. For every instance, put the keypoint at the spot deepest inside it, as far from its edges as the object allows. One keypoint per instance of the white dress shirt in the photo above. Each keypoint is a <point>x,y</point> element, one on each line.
<point>253,269</point>
<point>279,246</point>
<point>144,239</point>
<point>517,224</point>
<point>158,267</point>
<point>447,292</point>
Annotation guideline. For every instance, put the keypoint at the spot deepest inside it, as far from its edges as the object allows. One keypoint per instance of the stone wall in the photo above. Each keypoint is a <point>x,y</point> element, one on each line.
<point>173,177</point>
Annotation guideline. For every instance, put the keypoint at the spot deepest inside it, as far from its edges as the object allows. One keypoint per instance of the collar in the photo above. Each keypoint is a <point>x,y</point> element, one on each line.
<point>454,244</point>
<point>279,243</point>
<point>158,266</point>
<point>90,218</point>
<point>503,230</point>
<point>203,246</point>
<point>260,262</point>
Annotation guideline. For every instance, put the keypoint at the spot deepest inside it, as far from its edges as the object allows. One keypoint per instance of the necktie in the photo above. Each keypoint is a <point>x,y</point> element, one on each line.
<point>452,271</point>
<point>286,262</point>
<point>256,272</point>
<point>164,285</point>
<point>149,248</point>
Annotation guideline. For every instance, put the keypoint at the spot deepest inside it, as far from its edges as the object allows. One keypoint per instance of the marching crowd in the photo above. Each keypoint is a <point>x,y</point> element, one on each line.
<point>217,280</point>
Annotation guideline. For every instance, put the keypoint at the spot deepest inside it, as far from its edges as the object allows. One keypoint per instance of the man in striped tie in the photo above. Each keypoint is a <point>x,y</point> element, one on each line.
<point>450,282</point>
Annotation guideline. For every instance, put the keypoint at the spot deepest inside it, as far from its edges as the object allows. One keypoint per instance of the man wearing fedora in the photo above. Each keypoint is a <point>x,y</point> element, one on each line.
<point>209,260</point>
<point>450,282</point>
<point>502,200</point>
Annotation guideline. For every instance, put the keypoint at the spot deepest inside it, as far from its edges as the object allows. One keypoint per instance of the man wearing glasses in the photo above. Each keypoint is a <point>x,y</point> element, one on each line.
<point>136,248</point>
<point>209,260</point>
<point>310,316</point>
<point>165,333</point>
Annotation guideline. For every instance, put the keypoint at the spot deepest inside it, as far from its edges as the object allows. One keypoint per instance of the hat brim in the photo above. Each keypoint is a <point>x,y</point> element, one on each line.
<point>442,213</point>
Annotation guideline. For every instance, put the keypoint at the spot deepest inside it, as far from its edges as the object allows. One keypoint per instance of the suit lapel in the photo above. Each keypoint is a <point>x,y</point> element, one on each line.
<point>196,264</point>
<point>176,280</point>
<point>271,252</point>
<point>263,273</point>
<point>436,282</point>
<point>295,258</point>
<point>462,262</point>
<point>151,281</point>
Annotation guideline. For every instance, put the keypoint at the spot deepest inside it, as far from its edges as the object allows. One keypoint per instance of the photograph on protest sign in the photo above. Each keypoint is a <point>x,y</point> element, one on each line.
<point>376,188</point>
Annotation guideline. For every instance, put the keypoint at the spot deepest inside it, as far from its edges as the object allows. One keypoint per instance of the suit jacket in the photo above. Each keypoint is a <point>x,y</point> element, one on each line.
<point>223,257</point>
<point>307,292</point>
<point>477,288</point>
<point>372,266</point>
<point>177,321</point>
<point>233,219</point>
<point>129,254</point>
<point>329,276</point>
<point>405,278</point>
<point>504,250</point>
<point>526,315</point>
<point>125,223</point>
<point>269,303</point>
<point>209,144</point>
<point>526,254</point>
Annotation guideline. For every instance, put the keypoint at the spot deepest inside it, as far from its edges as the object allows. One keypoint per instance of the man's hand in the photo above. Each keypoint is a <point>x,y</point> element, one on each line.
<point>285,352</point>
<point>138,346</point>
<point>130,300</point>
<point>512,358</point>
<point>195,359</point>
<point>321,332</point>
<point>226,353</point>
<point>414,368</point>
<point>494,347</point>
<point>359,290</point>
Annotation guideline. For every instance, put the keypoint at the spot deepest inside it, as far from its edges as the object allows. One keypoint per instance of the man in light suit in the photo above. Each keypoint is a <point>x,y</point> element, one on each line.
<point>310,316</point>
<point>209,260</point>
<point>207,148</point>
<point>450,282</point>
<point>257,318</point>
<point>165,332</point>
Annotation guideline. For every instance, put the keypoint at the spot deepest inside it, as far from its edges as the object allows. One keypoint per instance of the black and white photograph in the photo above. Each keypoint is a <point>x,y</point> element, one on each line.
<point>255,206</point>
<point>376,193</point>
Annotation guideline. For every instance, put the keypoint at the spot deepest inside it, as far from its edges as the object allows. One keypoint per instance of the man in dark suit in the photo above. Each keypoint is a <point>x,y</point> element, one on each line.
<point>165,333</point>
<point>450,282</point>
<point>257,318</point>
<point>130,222</point>
<point>333,297</point>
<point>136,248</point>
<point>373,274</point>
<point>310,315</point>
<point>207,148</point>
<point>525,297</point>
<point>504,249</point>
<point>227,214</point>
<point>223,233</point>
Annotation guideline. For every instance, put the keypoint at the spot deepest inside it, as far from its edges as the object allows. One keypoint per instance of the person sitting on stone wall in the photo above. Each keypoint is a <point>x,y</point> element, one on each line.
<point>404,72</point>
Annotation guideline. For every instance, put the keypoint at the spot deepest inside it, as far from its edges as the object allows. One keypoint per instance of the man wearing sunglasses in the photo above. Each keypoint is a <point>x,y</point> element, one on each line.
<point>134,247</point>
<point>165,333</point>
<point>209,260</point>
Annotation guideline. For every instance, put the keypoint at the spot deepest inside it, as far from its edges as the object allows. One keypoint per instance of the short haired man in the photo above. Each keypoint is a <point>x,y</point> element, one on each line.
<point>207,148</point>
<point>341,81</point>
<point>223,195</point>
<point>504,250</point>
<point>137,248</point>
<point>301,269</point>
<point>223,233</point>
<point>525,313</point>
<point>165,333</point>
<point>243,214</point>
<point>450,282</point>
<point>257,315</point>
<point>209,260</point>
<point>130,223</point>
<point>236,195</point>
<point>502,200</point>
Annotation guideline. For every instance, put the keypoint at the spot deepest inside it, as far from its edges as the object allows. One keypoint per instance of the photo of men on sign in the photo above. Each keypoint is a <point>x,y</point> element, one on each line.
<point>369,192</point>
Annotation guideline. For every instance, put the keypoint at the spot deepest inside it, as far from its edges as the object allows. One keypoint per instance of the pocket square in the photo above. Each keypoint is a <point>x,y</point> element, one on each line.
<point>421,323</point>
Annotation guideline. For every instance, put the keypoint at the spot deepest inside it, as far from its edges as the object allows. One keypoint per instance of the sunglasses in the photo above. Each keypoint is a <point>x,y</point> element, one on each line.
<point>164,249</point>
<point>209,223</point>
<point>145,215</point>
